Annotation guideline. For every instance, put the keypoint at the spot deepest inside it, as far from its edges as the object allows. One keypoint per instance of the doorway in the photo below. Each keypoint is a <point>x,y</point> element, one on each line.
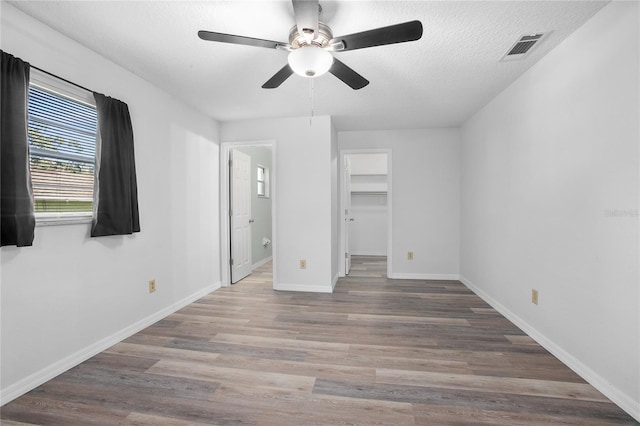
<point>247,208</point>
<point>366,205</point>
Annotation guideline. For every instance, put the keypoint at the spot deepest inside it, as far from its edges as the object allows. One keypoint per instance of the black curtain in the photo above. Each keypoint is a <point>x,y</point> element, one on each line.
<point>116,193</point>
<point>16,199</point>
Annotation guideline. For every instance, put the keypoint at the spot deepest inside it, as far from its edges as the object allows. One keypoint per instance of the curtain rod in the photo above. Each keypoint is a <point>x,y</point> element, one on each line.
<point>63,79</point>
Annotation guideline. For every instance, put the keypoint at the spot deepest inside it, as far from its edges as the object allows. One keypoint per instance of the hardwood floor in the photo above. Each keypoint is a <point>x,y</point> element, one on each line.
<point>376,351</point>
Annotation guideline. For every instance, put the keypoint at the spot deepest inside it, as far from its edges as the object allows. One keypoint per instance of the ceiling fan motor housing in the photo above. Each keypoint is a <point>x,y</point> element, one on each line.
<point>297,40</point>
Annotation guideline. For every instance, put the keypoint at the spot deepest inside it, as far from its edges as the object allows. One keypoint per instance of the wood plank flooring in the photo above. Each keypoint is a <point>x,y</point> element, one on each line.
<point>376,351</point>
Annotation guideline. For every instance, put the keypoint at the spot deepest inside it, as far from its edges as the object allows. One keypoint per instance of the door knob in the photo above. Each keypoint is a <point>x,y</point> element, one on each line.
<point>251,220</point>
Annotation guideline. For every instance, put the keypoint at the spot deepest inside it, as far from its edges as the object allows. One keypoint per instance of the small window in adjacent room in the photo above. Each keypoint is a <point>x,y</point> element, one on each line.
<point>263,181</point>
<point>62,130</point>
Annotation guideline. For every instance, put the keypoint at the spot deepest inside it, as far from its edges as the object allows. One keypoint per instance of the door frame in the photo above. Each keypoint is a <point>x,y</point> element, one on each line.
<point>225,223</point>
<point>343,189</point>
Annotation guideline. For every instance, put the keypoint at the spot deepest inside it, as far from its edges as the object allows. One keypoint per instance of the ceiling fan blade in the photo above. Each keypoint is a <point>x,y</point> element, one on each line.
<point>236,39</point>
<point>399,33</point>
<point>307,15</point>
<point>347,75</point>
<point>279,78</point>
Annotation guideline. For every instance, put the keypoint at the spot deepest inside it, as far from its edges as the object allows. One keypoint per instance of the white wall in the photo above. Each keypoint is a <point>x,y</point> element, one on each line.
<point>368,231</point>
<point>70,296</point>
<point>303,190</point>
<point>550,201</point>
<point>426,198</point>
<point>368,164</point>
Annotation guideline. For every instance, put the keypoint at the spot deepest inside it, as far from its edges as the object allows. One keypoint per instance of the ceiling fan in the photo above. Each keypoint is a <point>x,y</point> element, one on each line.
<point>311,44</point>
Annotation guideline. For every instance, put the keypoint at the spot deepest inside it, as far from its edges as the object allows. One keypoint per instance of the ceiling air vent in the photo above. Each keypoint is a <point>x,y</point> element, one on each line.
<point>523,46</point>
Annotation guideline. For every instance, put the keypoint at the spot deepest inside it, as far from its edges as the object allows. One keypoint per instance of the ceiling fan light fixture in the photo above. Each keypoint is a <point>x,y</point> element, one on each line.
<point>310,61</point>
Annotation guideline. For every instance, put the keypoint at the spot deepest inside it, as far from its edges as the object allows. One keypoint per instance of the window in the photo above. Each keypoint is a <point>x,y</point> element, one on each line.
<point>62,128</point>
<point>263,181</point>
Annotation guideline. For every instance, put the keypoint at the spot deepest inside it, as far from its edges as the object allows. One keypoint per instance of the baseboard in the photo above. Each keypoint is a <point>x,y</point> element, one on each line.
<point>405,276</point>
<point>261,262</point>
<point>36,379</point>
<point>620,398</point>
<point>334,282</point>
<point>303,288</point>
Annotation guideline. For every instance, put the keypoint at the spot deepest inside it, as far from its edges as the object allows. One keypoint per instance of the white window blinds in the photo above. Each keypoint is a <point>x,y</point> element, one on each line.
<point>62,142</point>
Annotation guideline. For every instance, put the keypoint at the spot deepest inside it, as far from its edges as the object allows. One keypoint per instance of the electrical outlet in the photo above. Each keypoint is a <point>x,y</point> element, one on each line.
<point>303,264</point>
<point>152,286</point>
<point>409,255</point>
<point>534,296</point>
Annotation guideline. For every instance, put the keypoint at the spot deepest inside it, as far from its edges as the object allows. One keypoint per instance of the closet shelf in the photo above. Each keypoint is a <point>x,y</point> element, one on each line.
<point>369,188</point>
<point>368,192</point>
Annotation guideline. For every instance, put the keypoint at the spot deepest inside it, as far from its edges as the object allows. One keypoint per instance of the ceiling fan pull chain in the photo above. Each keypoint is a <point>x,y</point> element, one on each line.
<point>311,96</point>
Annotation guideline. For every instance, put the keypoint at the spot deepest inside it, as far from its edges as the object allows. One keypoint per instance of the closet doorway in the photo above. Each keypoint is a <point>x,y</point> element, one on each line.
<point>365,205</point>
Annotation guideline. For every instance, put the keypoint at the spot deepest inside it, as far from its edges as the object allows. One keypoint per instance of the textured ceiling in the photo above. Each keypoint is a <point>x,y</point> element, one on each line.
<point>438,81</point>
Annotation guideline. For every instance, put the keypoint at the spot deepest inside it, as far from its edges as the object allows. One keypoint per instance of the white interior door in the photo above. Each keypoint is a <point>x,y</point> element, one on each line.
<point>240,181</point>
<point>348,218</point>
